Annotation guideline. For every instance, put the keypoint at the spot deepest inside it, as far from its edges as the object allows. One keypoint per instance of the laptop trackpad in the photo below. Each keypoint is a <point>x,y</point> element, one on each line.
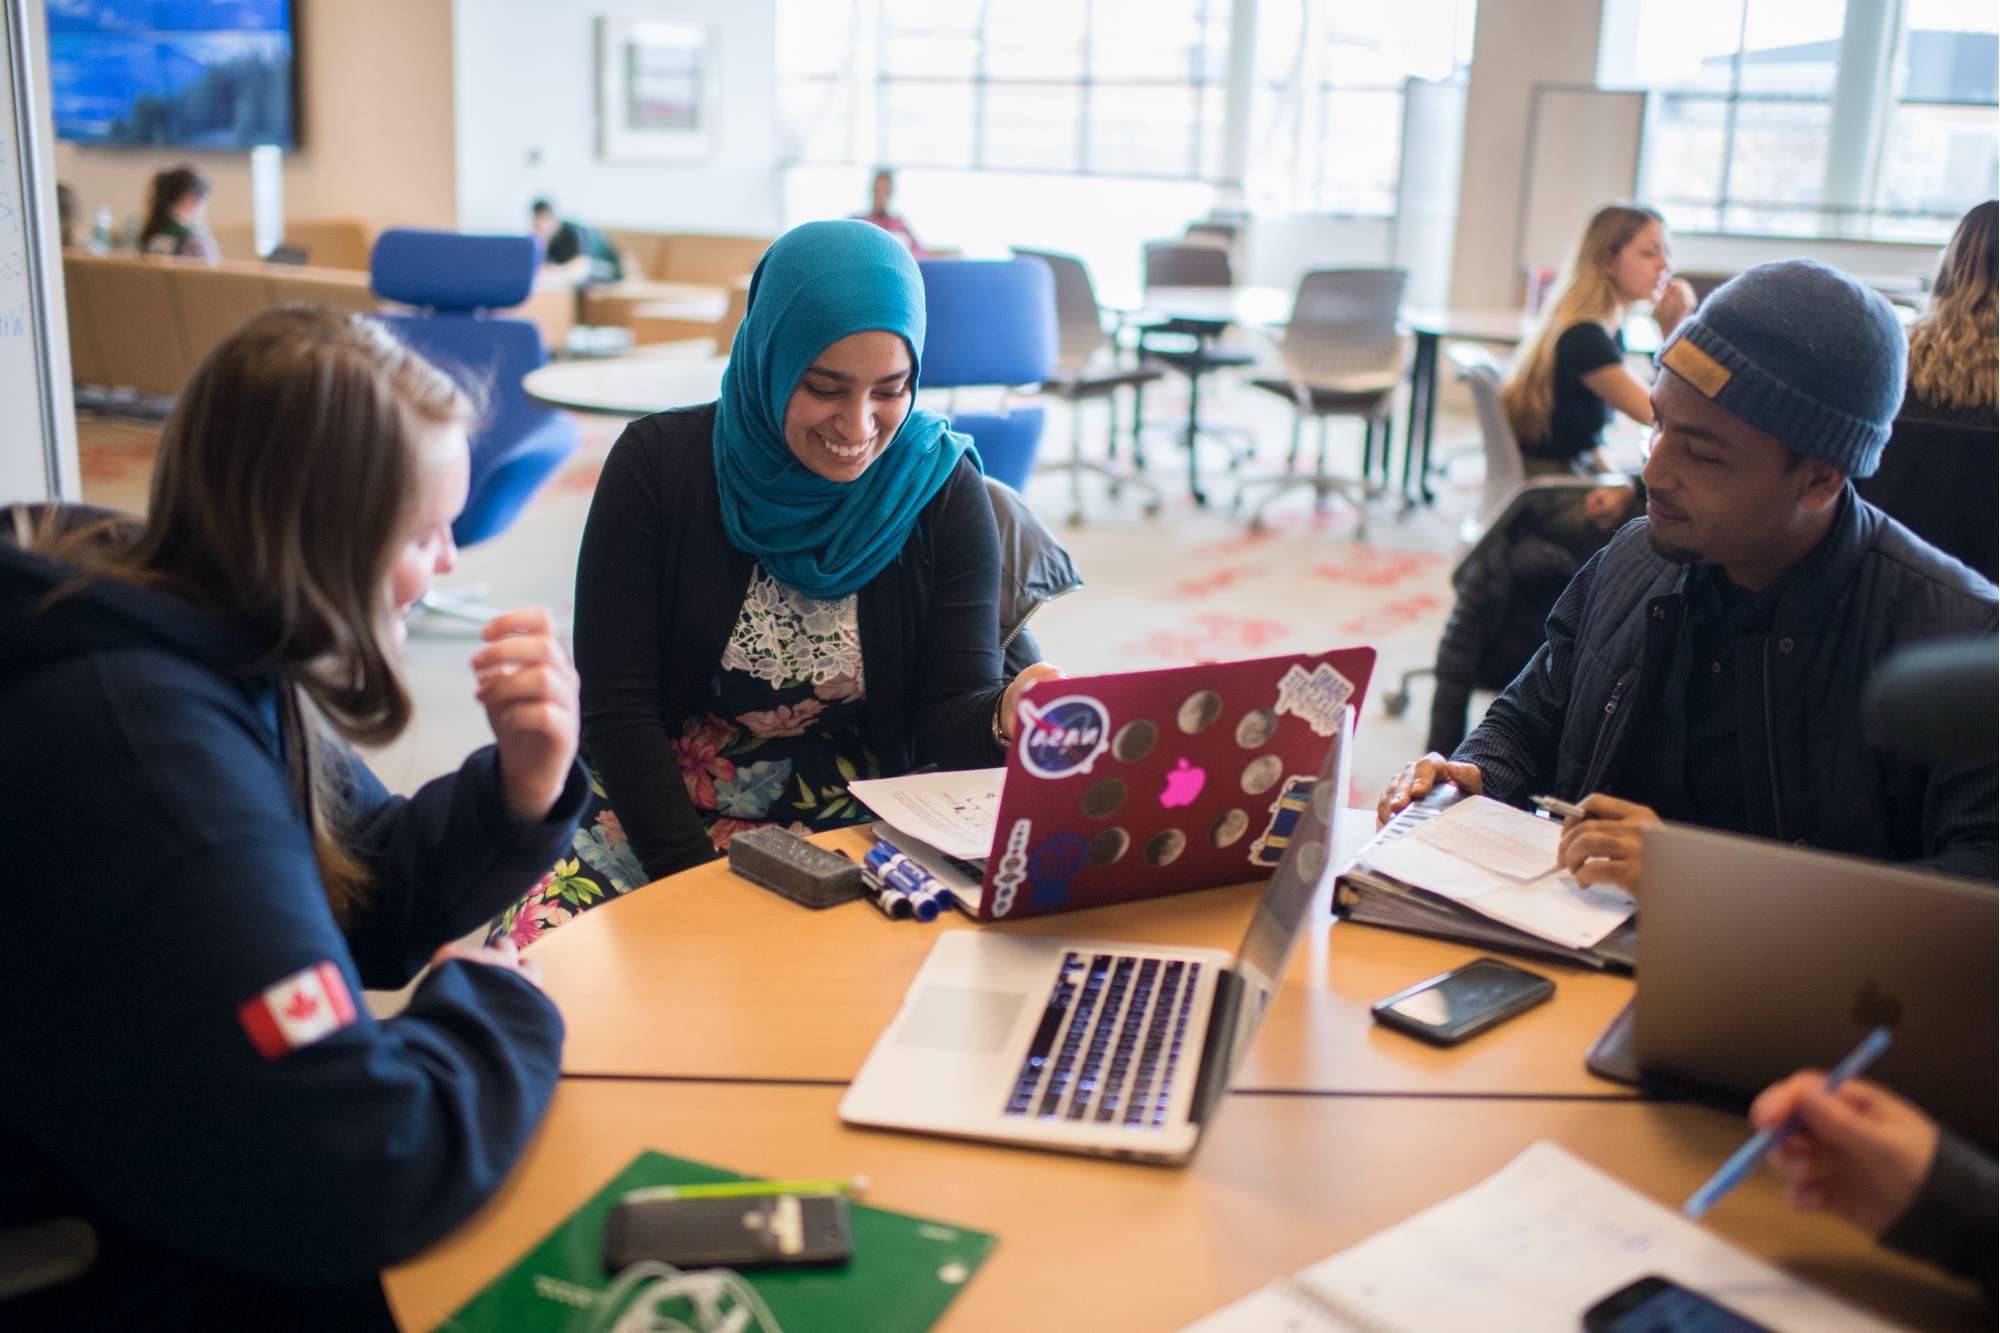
<point>956,1018</point>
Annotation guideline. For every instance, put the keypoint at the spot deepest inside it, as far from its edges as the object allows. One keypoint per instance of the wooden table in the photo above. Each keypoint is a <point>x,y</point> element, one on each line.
<point>1280,1183</point>
<point>705,975</point>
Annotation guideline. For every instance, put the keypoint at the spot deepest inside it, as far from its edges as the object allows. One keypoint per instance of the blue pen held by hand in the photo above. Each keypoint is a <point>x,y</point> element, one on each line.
<point>1745,1159</point>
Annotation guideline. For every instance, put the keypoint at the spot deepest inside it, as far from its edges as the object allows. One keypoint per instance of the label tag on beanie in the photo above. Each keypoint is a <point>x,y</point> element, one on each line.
<point>1696,367</point>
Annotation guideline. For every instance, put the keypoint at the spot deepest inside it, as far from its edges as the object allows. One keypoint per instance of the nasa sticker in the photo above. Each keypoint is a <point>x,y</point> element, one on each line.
<point>1064,738</point>
<point>1318,697</point>
<point>1293,797</point>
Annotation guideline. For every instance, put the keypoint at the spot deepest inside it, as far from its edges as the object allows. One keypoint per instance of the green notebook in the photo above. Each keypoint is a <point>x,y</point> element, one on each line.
<point>904,1272</point>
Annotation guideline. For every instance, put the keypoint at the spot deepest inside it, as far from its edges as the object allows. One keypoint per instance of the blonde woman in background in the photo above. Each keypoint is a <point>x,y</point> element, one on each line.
<point>1952,348</point>
<point>1572,375</point>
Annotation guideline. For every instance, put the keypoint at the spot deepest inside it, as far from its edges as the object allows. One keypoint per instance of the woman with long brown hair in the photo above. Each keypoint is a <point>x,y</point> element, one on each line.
<point>1953,348</point>
<point>1572,375</point>
<point>216,876</point>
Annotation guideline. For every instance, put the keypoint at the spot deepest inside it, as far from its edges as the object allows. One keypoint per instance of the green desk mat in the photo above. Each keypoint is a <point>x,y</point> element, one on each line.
<point>893,1283</point>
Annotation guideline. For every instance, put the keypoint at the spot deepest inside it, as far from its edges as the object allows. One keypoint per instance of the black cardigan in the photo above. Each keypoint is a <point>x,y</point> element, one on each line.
<point>659,589</point>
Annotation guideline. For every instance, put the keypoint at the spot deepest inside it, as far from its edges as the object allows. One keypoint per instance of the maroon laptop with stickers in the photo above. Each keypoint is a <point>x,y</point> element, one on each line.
<point>1156,782</point>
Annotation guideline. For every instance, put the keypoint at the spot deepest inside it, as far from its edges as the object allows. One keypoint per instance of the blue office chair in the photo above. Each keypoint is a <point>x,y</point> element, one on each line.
<point>454,280</point>
<point>992,322</point>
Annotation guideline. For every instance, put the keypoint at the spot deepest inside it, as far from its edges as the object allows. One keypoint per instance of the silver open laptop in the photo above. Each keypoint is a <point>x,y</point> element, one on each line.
<point>1114,1049</point>
<point>1757,959</point>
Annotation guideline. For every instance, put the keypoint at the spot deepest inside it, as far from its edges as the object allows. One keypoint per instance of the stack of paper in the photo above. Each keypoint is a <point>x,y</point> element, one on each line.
<point>1475,870</point>
<point>1531,1247</point>
<point>945,822</point>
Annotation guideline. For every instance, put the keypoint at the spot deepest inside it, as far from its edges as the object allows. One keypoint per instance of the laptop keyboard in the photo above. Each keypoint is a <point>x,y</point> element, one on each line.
<point>1109,1043</point>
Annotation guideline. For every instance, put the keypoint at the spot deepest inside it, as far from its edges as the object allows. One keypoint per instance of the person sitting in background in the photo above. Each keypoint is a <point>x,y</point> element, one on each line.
<point>1873,1159</point>
<point>1505,586</point>
<point>1708,665</point>
<point>1941,471</point>
<point>786,589</point>
<point>881,212</point>
<point>176,217</point>
<point>202,1085</point>
<point>580,252</point>
<point>1572,376</point>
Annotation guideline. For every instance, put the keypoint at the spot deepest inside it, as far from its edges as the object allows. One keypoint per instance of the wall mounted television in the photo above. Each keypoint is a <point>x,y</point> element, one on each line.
<point>213,74</point>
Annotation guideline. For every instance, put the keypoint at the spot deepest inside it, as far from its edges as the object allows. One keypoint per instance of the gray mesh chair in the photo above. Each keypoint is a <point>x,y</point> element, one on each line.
<point>1087,368</point>
<point>1191,347</point>
<point>1343,357</point>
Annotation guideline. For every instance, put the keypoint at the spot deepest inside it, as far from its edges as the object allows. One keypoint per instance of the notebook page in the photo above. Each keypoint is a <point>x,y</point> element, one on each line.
<point>1553,907</point>
<point>957,813</point>
<point>1536,1244</point>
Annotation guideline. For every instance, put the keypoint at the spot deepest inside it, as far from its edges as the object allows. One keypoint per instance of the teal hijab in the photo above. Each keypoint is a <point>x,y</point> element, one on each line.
<point>816,285</point>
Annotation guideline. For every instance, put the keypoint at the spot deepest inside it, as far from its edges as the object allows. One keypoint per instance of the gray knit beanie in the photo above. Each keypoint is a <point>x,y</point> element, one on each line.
<point>1802,352</point>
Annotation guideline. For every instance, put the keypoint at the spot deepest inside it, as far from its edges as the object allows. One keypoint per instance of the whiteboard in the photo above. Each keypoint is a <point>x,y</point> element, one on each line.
<point>37,419</point>
<point>1583,153</point>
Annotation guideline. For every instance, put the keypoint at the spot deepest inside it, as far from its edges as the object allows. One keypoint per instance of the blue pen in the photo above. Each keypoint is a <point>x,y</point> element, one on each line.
<point>1746,1158</point>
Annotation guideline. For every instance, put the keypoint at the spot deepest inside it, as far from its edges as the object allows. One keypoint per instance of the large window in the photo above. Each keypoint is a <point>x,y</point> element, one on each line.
<point>1778,117</point>
<point>1327,119</point>
<point>1122,88</point>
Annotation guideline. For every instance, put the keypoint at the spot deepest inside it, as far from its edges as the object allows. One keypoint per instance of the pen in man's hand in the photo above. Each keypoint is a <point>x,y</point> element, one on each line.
<point>1555,805</point>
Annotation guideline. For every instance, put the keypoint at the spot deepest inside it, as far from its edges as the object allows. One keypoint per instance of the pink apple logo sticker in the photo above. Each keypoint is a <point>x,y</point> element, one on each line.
<point>1184,784</point>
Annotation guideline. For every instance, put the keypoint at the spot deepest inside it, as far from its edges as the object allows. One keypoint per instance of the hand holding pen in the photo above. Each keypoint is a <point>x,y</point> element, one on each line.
<point>1602,838</point>
<point>1785,1109</point>
<point>1860,1152</point>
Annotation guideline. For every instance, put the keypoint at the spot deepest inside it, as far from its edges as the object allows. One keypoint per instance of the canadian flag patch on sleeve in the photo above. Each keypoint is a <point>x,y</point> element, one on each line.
<point>298,1011</point>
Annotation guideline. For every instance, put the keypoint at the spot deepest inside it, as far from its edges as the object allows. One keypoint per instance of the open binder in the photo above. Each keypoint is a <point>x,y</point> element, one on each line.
<point>1374,899</point>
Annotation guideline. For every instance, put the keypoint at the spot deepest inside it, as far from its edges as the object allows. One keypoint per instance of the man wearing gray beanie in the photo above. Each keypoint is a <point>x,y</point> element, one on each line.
<point>1707,665</point>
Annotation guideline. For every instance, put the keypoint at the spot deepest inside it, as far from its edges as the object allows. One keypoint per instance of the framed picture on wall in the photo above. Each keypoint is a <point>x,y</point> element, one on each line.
<point>655,91</point>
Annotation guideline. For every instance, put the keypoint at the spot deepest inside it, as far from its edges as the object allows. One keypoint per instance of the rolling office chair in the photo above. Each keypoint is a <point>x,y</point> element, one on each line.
<point>1087,367</point>
<point>1189,346</point>
<point>1343,356</point>
<point>991,322</point>
<point>453,280</point>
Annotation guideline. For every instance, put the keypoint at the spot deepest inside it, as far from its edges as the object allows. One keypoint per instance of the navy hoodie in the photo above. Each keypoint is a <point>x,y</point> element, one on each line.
<point>161,886</point>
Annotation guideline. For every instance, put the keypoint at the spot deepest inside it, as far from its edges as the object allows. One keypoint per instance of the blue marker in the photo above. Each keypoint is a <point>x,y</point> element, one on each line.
<point>900,875</point>
<point>893,903</point>
<point>1739,1166</point>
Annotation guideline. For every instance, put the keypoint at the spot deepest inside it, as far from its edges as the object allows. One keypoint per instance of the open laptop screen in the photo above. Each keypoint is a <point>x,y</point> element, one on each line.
<point>1299,882</point>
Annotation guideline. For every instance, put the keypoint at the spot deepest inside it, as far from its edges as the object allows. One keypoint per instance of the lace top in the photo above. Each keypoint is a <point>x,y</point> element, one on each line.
<point>784,636</point>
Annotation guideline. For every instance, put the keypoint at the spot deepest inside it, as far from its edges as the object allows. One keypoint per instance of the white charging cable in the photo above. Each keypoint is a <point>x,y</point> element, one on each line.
<point>718,1301</point>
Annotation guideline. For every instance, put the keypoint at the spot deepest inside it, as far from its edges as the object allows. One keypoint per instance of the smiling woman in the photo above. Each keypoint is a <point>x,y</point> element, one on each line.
<point>786,589</point>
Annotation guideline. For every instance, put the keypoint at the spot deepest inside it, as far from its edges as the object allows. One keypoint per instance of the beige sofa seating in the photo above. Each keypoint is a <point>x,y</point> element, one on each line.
<point>145,323</point>
<point>699,272</point>
<point>328,242</point>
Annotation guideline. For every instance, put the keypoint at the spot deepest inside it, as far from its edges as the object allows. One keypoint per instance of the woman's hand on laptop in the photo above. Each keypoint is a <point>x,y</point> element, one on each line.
<point>1010,701</point>
<point>1605,848</point>
<point>1419,776</point>
<point>1860,1151</point>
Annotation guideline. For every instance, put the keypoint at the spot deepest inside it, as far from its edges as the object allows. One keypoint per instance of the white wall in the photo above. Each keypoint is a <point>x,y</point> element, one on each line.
<point>526,74</point>
<point>1516,45</point>
<point>375,115</point>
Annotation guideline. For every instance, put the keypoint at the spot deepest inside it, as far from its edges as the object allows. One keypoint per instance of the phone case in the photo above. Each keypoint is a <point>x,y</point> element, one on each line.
<point>1520,1003</point>
<point>732,1232</point>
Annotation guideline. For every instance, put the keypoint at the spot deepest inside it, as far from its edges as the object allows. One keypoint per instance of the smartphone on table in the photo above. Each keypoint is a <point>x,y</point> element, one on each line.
<point>1660,1305</point>
<point>736,1231</point>
<point>1461,1003</point>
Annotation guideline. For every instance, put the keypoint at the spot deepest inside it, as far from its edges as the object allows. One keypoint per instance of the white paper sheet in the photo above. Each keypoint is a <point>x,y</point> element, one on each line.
<point>957,813</point>
<point>1552,906</point>
<point>1530,1248</point>
<point>1496,837</point>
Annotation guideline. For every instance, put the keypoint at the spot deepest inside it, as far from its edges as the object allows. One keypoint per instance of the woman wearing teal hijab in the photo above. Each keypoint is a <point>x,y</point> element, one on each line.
<point>786,589</point>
